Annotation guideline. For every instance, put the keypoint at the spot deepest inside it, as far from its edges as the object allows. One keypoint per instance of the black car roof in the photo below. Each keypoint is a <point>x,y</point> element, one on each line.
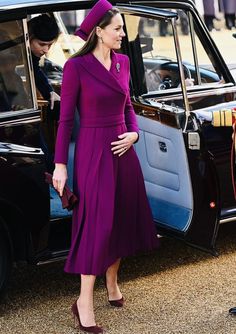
<point>20,8</point>
<point>7,3</point>
<point>12,4</point>
<point>13,9</point>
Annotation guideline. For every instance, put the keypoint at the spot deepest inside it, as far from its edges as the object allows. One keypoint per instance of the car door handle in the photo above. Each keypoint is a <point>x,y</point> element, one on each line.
<point>162,146</point>
<point>149,113</point>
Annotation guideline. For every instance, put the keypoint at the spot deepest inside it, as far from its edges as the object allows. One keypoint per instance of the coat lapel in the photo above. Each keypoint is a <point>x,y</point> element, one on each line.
<point>92,65</point>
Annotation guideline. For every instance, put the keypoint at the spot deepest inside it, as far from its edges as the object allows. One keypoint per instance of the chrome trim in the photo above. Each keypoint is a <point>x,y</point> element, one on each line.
<point>56,257</point>
<point>178,95</point>
<point>18,113</point>
<point>30,64</point>
<point>62,258</point>
<point>212,85</point>
<point>19,149</point>
<point>147,11</point>
<point>34,119</point>
<point>218,91</point>
<point>195,56</point>
<point>204,87</point>
<point>66,36</point>
<point>181,69</point>
<point>227,220</point>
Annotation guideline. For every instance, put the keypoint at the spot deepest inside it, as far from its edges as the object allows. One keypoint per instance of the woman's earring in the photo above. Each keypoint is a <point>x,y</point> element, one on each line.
<point>101,40</point>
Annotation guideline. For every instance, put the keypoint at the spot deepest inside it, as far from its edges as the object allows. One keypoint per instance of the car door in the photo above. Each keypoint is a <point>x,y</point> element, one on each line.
<point>24,196</point>
<point>180,175</point>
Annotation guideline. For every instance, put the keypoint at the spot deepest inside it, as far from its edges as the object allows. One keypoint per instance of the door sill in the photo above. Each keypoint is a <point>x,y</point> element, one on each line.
<point>54,257</point>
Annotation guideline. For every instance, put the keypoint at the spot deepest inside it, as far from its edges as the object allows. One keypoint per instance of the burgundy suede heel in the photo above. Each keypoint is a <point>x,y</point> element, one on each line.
<point>91,329</point>
<point>116,303</point>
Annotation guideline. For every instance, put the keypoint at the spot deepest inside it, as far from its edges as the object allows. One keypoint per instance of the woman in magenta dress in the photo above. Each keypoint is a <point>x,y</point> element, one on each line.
<point>113,218</point>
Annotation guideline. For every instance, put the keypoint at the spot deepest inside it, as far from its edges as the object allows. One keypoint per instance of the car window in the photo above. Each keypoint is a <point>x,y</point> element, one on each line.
<point>154,39</point>
<point>207,72</point>
<point>15,91</point>
<point>157,53</point>
<point>185,42</point>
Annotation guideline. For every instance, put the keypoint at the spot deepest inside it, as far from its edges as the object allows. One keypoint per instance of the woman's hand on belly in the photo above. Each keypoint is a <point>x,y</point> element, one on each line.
<point>59,177</point>
<point>126,140</point>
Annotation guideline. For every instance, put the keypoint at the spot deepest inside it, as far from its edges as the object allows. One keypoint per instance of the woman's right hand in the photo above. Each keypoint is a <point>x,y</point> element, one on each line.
<point>59,177</point>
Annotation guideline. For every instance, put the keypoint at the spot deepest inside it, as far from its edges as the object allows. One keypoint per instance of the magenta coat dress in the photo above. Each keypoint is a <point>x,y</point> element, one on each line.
<point>113,218</point>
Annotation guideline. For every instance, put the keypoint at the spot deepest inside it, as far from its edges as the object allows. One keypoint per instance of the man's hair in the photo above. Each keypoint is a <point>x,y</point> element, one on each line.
<point>43,27</point>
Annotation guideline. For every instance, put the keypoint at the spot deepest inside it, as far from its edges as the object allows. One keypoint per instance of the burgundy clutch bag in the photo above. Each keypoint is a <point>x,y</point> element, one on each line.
<point>68,198</point>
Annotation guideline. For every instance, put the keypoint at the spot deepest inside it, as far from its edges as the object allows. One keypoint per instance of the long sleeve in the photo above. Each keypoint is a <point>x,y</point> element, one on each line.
<point>41,80</point>
<point>130,116</point>
<point>69,96</point>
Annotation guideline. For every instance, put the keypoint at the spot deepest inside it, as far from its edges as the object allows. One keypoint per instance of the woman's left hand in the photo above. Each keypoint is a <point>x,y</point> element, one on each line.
<point>127,139</point>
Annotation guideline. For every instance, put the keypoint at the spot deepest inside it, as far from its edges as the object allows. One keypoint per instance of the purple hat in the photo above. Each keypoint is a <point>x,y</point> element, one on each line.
<point>93,18</point>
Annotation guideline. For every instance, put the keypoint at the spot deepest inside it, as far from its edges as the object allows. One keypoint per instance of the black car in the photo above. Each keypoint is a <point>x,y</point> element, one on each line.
<point>179,81</point>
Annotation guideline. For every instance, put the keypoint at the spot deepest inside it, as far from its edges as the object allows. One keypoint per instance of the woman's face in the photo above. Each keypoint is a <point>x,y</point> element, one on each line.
<point>113,33</point>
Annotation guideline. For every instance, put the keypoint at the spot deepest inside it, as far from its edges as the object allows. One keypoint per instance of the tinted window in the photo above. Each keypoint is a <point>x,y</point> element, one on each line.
<point>15,92</point>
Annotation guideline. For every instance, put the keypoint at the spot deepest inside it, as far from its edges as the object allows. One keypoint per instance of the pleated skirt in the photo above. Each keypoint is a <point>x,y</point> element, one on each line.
<point>113,218</point>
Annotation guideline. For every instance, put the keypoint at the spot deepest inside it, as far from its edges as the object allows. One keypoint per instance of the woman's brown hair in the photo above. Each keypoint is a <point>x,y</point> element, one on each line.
<point>92,40</point>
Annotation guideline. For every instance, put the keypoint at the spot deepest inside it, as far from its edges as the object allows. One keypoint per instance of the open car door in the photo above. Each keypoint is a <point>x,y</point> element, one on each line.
<point>180,177</point>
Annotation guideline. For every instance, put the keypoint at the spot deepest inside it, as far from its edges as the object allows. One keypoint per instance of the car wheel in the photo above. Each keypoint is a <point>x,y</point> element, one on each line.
<point>5,264</point>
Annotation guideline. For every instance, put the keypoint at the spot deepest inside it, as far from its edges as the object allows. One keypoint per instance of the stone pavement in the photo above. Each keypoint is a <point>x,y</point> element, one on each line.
<point>175,290</point>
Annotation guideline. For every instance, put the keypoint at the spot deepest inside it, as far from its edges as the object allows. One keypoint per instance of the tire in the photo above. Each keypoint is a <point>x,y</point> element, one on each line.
<point>5,264</point>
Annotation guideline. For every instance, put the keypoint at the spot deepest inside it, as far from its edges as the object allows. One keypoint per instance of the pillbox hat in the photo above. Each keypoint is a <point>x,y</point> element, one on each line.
<point>93,18</point>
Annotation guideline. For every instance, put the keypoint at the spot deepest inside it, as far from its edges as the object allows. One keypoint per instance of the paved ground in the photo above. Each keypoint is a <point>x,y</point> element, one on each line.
<point>176,290</point>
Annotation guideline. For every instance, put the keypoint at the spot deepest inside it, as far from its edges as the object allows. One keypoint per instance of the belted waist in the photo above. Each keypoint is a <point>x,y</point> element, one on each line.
<point>102,122</point>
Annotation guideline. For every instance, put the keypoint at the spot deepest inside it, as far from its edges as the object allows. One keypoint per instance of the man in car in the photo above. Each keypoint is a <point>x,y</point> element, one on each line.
<point>43,32</point>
